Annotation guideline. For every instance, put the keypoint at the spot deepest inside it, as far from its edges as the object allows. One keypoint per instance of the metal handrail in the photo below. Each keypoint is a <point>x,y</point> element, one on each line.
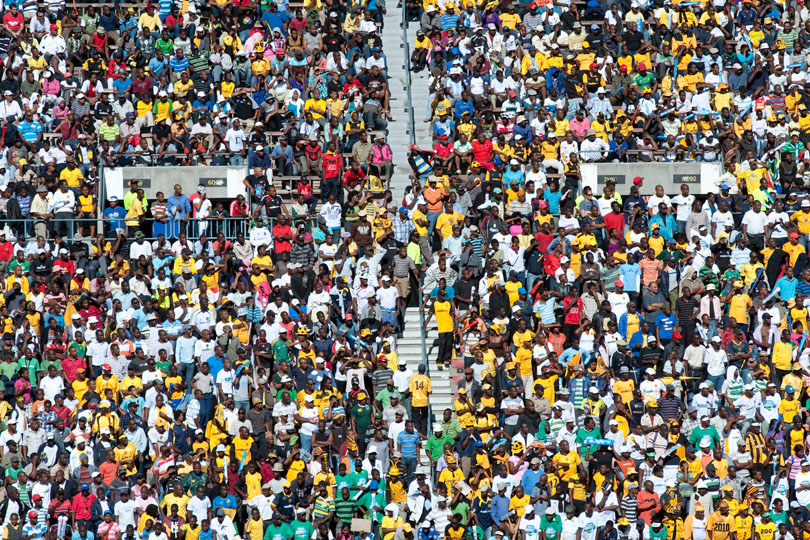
<point>412,137</point>
<point>406,52</point>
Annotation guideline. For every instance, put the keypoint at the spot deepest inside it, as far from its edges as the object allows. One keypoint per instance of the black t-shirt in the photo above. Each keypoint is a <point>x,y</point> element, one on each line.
<point>161,131</point>
<point>273,206</point>
<point>373,82</point>
<point>333,43</point>
<point>41,267</point>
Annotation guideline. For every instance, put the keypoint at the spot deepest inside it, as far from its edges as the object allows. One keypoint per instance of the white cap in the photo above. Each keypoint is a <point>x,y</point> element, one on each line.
<point>649,371</point>
<point>309,399</point>
<point>564,259</point>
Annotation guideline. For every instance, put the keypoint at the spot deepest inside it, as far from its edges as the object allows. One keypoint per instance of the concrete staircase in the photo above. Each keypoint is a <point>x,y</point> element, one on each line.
<point>420,96</point>
<point>410,348</point>
<point>398,129</point>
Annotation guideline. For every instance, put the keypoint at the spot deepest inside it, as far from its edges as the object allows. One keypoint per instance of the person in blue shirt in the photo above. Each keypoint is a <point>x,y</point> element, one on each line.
<point>465,104</point>
<point>552,196</point>
<point>786,285</point>
<point>640,339</point>
<point>427,532</point>
<point>666,221</point>
<point>514,173</point>
<point>630,275</point>
<point>157,65</point>
<point>629,315</point>
<point>499,504</point>
<point>273,18</point>
<point>114,215</point>
<point>179,208</point>
<point>665,325</point>
<point>224,500</point>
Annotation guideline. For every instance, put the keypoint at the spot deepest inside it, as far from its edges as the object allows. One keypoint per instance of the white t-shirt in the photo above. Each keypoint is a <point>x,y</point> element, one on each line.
<point>803,480</point>
<point>684,206</point>
<point>125,512</point>
<point>225,380</point>
<point>530,528</point>
<point>235,139</point>
<point>755,221</point>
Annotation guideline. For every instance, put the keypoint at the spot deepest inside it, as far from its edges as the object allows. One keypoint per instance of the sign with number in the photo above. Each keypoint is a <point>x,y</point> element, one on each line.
<point>686,178</point>
<point>615,178</point>
<point>213,182</point>
<point>143,183</point>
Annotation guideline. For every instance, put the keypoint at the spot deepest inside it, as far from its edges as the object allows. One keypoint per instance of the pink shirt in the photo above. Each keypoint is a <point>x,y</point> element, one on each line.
<point>579,129</point>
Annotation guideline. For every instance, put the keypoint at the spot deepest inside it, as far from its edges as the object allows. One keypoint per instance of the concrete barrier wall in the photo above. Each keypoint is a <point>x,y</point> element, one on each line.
<point>699,176</point>
<point>219,182</point>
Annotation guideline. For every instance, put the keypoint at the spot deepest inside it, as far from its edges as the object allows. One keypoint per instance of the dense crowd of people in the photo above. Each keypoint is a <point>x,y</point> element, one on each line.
<point>628,364</point>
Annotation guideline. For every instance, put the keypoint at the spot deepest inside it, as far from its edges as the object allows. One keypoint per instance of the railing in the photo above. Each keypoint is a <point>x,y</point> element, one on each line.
<point>194,228</point>
<point>412,133</point>
<point>406,48</point>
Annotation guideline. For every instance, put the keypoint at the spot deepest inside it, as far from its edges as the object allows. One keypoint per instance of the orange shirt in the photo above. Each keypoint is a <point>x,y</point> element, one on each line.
<point>433,197</point>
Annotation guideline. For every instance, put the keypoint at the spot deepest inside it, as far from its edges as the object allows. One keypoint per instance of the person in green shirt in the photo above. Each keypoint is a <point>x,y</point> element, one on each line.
<point>450,425</point>
<point>281,347</point>
<point>384,396</point>
<point>345,506</point>
<point>551,524</point>
<point>373,501</point>
<point>344,477</point>
<point>277,530</point>
<point>300,528</point>
<point>32,365</point>
<point>361,414</point>
<point>9,367</point>
<point>588,431</point>
<point>434,447</point>
<point>704,429</point>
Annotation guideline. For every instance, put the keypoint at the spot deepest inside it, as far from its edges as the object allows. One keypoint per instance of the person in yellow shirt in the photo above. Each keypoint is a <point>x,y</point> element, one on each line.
<point>789,407</point>
<point>72,174</point>
<point>739,303</point>
<point>448,219</point>
<point>794,249</point>
<point>766,529</point>
<point>178,497</point>
<point>452,475</point>
<point>721,524</point>
<point>445,324</point>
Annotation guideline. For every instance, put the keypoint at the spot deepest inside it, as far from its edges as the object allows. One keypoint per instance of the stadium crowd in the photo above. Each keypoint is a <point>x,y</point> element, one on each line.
<point>629,364</point>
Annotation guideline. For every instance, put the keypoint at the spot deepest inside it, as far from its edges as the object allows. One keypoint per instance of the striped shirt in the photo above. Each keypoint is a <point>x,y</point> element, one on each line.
<point>178,64</point>
<point>630,508</point>
<point>344,509</point>
<point>323,507</point>
<point>108,132</point>
<point>408,444</point>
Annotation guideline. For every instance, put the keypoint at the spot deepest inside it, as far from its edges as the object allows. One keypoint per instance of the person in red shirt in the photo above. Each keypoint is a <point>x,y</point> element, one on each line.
<point>332,165</point>
<point>13,21</point>
<point>354,176</point>
<point>305,190</point>
<point>282,236</point>
<point>615,219</point>
<point>6,250</point>
<point>81,506</point>
<point>572,312</point>
<point>443,153</point>
<point>482,151</point>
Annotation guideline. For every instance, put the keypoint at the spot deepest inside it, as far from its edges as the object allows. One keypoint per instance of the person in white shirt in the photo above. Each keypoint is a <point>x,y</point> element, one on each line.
<point>684,201</point>
<point>755,226</point>
<point>658,198</point>
<point>235,138</point>
<point>593,148</point>
<point>225,379</point>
